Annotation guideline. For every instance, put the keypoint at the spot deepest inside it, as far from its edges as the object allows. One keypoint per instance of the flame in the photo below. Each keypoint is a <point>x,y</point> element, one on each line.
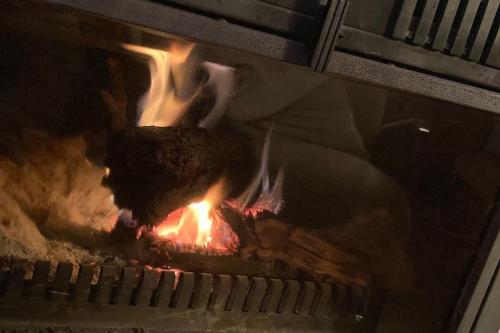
<point>173,89</point>
<point>200,224</point>
<point>160,106</point>
<point>170,94</point>
<point>270,198</point>
<point>192,224</point>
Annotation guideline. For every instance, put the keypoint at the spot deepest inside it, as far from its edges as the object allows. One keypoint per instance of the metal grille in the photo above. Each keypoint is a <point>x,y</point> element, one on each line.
<point>109,293</point>
<point>463,28</point>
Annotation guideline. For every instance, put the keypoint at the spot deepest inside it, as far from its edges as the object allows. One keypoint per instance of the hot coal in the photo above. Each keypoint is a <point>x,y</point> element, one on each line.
<point>155,170</point>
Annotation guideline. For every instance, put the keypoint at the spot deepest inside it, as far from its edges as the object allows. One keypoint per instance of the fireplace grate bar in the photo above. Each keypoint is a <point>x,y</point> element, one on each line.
<point>129,289</point>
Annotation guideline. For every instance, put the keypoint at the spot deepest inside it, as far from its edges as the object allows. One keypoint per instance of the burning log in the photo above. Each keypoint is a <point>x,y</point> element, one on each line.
<point>267,238</point>
<point>155,170</point>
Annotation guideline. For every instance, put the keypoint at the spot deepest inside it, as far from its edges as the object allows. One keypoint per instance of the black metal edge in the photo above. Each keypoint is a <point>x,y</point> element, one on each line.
<point>325,45</point>
<point>474,292</point>
<point>192,26</point>
<point>306,7</point>
<point>334,36</point>
<point>325,30</point>
<point>391,76</point>
<point>387,50</point>
<point>260,15</point>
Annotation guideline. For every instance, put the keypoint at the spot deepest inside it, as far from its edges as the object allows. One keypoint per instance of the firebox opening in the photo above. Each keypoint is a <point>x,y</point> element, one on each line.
<point>184,165</point>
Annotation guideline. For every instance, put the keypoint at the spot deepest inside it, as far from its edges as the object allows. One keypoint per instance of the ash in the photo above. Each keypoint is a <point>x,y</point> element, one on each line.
<point>48,190</point>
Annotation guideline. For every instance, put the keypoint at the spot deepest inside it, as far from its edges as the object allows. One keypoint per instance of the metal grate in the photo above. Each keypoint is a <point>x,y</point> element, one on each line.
<point>463,28</point>
<point>164,294</point>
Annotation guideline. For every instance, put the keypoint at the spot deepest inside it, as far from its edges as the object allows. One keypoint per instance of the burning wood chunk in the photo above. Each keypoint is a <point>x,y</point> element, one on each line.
<point>269,239</point>
<point>155,170</point>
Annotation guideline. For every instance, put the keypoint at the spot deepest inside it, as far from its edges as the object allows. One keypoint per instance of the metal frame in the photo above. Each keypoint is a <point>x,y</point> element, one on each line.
<point>392,76</point>
<point>477,309</point>
<point>189,25</point>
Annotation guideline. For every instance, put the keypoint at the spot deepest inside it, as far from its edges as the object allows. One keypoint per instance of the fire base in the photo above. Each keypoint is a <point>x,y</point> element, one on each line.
<point>127,298</point>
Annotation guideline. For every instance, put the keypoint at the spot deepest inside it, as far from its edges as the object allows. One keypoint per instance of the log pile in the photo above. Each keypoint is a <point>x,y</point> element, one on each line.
<point>267,238</point>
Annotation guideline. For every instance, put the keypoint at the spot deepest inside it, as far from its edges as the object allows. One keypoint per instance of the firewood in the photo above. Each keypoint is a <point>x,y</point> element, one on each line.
<point>267,238</point>
<point>154,170</point>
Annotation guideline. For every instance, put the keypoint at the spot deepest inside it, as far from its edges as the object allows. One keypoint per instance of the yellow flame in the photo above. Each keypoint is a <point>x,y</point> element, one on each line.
<point>160,105</point>
<point>194,223</point>
<point>201,211</point>
<point>198,212</point>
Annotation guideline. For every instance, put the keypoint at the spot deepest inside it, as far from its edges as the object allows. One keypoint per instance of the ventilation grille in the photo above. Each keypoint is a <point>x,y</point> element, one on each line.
<point>463,28</point>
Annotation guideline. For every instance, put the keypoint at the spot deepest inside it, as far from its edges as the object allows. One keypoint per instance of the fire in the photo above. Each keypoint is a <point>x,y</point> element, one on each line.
<point>161,106</point>
<point>173,86</point>
<point>200,224</point>
<point>170,94</point>
<point>192,224</point>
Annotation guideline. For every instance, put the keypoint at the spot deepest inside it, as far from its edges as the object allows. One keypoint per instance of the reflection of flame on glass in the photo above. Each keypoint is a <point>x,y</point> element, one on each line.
<point>200,224</point>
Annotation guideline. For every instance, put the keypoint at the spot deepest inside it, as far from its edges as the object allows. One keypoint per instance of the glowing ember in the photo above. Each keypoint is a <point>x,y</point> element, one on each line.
<point>200,224</point>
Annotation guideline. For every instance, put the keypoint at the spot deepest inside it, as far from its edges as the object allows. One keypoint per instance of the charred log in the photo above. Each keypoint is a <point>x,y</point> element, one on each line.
<point>154,170</point>
<point>268,238</point>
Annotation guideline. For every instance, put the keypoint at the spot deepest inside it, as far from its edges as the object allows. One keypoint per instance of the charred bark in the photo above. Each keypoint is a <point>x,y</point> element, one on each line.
<point>269,239</point>
<point>154,170</point>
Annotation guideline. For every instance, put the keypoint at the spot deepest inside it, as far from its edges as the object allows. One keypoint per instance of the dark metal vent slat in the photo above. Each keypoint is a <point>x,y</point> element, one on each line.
<point>145,289</point>
<point>205,287</point>
<point>15,283</point>
<point>494,56</point>
<point>163,292</point>
<point>484,29</point>
<point>304,305</point>
<point>324,300</point>
<point>458,47</point>
<point>83,283</point>
<point>404,19</point>
<point>62,280</point>
<point>128,281</point>
<point>221,294</point>
<point>38,285</point>
<point>276,290</point>
<point>426,20</point>
<point>105,285</point>
<point>238,293</point>
<point>341,300</point>
<point>441,41</point>
<point>289,298</point>
<point>256,295</point>
<point>184,291</point>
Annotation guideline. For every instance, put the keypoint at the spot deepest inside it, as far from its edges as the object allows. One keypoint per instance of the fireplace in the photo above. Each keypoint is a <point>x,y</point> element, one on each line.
<point>243,166</point>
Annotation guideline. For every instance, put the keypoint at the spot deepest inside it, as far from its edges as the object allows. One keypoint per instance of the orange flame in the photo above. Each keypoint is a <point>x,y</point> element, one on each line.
<point>160,105</point>
<point>200,224</point>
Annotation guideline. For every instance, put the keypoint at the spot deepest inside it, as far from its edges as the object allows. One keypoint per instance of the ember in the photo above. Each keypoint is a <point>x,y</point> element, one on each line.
<point>199,224</point>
